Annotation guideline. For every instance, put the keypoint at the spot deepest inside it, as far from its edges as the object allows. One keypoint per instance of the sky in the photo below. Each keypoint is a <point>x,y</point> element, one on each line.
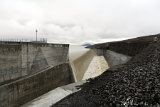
<point>78,21</point>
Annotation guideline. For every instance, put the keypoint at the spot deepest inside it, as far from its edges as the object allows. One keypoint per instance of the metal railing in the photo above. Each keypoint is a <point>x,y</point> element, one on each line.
<point>41,40</point>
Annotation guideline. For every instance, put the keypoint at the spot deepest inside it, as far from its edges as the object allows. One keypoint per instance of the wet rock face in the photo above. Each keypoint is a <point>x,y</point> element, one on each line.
<point>136,83</point>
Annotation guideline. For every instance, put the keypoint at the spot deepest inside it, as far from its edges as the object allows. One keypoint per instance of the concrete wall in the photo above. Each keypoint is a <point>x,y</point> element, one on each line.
<point>112,58</point>
<point>80,65</point>
<point>97,66</point>
<point>10,62</point>
<point>23,90</point>
<point>94,62</point>
<point>53,96</point>
<point>22,59</point>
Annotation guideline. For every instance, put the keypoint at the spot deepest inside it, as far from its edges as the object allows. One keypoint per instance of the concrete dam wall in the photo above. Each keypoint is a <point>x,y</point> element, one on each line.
<point>92,62</point>
<point>23,90</point>
<point>85,63</point>
<point>100,57</point>
<point>29,70</point>
<point>81,64</point>
<point>22,59</point>
<point>132,84</point>
<point>95,61</point>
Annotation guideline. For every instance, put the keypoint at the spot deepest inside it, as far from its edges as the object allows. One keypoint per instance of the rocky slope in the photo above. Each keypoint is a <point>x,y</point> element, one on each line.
<point>136,83</point>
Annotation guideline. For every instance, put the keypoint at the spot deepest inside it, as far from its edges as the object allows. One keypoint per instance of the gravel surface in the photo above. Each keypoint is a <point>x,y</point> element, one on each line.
<point>134,84</point>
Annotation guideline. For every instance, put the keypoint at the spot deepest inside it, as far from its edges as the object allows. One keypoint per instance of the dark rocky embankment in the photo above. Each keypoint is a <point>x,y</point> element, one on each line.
<point>136,83</point>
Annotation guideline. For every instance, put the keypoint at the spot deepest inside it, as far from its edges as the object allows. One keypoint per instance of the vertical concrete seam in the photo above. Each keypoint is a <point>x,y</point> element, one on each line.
<point>27,60</point>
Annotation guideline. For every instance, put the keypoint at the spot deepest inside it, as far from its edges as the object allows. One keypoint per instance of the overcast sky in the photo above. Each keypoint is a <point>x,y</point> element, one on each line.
<point>78,21</point>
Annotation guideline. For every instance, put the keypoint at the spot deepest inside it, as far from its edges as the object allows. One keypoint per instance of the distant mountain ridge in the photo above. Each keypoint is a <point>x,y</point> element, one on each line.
<point>87,44</point>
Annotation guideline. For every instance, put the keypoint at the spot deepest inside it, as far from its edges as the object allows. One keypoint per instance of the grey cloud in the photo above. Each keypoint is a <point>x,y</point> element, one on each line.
<point>79,21</point>
<point>60,24</point>
<point>23,22</point>
<point>63,25</point>
<point>109,36</point>
<point>114,36</point>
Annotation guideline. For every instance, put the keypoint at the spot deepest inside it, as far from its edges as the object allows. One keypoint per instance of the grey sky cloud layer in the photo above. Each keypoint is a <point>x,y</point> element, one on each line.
<point>79,21</point>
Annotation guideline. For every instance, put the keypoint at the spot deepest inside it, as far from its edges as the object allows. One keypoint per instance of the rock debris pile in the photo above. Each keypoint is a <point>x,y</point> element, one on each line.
<point>136,83</point>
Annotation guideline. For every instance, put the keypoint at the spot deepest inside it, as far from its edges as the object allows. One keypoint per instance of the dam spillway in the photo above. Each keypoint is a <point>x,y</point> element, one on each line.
<point>133,84</point>
<point>41,67</point>
<point>85,63</point>
<point>88,63</point>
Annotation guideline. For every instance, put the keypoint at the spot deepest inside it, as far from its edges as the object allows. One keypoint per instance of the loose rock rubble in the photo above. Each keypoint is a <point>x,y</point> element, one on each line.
<point>134,84</point>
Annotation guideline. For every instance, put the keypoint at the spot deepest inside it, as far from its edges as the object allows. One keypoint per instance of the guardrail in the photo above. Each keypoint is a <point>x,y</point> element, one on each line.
<point>41,40</point>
